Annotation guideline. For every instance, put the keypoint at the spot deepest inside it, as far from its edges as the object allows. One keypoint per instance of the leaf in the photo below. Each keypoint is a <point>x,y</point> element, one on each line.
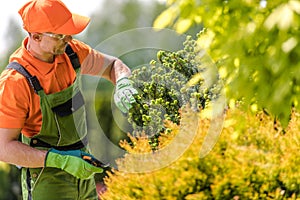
<point>194,80</point>
<point>170,2</point>
<point>182,25</point>
<point>295,5</point>
<point>282,16</point>
<point>289,45</point>
<point>205,39</point>
<point>166,18</point>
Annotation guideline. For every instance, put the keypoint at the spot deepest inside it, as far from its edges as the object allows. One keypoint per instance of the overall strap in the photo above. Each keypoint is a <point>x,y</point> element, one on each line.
<point>73,57</point>
<point>33,81</point>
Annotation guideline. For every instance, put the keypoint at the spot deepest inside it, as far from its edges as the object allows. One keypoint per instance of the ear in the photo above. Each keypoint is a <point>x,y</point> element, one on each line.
<point>36,37</point>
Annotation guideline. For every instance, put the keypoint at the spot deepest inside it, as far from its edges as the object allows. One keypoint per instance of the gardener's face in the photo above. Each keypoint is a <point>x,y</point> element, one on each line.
<point>54,43</point>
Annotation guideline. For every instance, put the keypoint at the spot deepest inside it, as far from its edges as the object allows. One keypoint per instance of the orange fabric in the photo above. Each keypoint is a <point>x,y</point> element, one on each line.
<point>19,105</point>
<point>51,16</point>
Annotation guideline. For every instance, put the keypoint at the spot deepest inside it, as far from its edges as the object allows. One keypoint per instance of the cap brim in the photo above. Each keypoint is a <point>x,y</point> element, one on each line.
<point>74,25</point>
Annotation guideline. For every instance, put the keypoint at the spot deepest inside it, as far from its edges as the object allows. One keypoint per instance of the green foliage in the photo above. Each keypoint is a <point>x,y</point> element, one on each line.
<point>253,159</point>
<point>9,180</point>
<point>256,46</point>
<point>165,87</point>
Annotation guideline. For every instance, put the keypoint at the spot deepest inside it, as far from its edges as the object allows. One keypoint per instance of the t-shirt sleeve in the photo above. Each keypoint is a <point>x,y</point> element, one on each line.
<point>14,100</point>
<point>92,61</point>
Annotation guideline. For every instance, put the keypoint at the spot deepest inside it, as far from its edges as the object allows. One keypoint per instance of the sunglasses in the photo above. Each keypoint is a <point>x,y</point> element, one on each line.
<point>56,36</point>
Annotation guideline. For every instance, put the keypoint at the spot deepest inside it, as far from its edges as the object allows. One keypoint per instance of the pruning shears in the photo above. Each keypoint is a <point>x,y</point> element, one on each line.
<point>94,161</point>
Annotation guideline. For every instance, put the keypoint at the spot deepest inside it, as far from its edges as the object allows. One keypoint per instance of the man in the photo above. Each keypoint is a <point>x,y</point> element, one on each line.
<point>40,97</point>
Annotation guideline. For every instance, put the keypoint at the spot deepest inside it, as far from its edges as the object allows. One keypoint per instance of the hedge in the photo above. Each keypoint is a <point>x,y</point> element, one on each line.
<point>254,158</point>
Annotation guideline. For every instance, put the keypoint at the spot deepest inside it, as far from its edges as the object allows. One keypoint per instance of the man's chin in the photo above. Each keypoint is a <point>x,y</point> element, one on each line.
<point>59,52</point>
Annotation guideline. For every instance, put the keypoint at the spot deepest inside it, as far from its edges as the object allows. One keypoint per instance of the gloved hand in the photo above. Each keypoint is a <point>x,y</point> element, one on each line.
<point>123,96</point>
<point>73,162</point>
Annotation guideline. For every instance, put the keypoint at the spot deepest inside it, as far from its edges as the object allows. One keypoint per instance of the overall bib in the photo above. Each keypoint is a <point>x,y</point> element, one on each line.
<point>64,128</point>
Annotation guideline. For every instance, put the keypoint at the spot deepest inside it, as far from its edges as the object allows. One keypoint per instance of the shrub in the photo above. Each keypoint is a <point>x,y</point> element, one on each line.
<point>164,87</point>
<point>254,158</point>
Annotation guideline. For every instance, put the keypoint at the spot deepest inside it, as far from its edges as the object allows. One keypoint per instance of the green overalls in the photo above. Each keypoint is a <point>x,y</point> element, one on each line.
<point>64,128</point>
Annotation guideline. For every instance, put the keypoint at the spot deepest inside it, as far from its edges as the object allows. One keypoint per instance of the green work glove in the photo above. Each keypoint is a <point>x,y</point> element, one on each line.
<point>124,94</point>
<point>75,162</point>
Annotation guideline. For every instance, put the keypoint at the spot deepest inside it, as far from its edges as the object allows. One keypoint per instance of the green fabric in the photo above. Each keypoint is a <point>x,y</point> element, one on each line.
<point>59,179</point>
<point>57,130</point>
<point>52,183</point>
<point>72,162</point>
<point>124,94</point>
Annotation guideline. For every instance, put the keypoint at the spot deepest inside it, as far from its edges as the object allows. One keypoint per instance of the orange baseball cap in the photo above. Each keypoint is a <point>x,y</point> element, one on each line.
<point>51,16</point>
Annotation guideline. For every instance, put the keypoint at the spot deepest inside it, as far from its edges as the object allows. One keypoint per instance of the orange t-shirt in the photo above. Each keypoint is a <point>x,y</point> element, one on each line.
<point>20,105</point>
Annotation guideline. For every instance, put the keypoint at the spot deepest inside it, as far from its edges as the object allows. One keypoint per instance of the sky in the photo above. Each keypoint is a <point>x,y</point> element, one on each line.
<point>9,9</point>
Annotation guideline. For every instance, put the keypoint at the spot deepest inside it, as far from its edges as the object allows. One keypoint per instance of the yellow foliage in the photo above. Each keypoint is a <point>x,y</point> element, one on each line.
<point>283,16</point>
<point>166,18</point>
<point>254,158</point>
<point>140,145</point>
<point>183,24</point>
<point>4,167</point>
<point>166,139</point>
<point>142,159</point>
<point>206,38</point>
